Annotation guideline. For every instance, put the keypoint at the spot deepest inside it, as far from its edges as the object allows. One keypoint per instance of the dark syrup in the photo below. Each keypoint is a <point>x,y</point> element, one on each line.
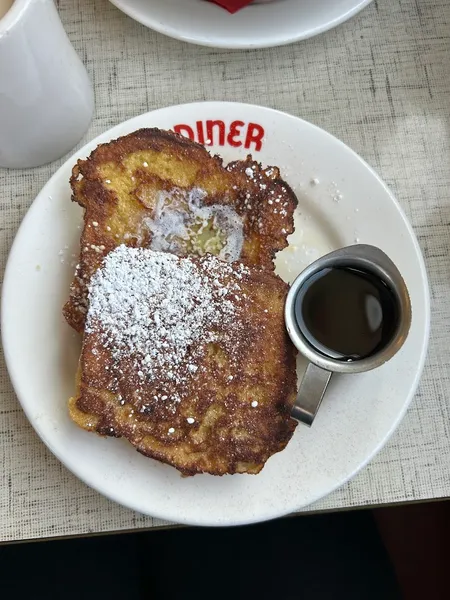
<point>346,314</point>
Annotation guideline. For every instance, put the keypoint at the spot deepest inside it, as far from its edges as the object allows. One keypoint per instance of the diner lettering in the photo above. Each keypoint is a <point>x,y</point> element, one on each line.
<point>216,132</point>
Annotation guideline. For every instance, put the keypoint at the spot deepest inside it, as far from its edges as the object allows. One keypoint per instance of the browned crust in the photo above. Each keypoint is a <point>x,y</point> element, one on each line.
<point>265,227</point>
<point>229,435</point>
<point>144,139</point>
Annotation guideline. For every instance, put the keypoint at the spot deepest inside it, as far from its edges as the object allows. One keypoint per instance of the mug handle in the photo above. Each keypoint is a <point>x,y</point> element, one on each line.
<point>310,394</point>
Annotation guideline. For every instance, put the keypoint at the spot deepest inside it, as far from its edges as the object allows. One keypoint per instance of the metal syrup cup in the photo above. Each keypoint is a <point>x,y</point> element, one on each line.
<point>320,368</point>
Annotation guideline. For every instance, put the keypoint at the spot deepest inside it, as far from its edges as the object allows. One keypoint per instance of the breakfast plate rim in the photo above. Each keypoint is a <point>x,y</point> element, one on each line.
<point>127,7</point>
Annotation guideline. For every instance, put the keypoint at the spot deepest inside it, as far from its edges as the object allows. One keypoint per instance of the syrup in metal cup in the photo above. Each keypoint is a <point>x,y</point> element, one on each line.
<point>348,312</point>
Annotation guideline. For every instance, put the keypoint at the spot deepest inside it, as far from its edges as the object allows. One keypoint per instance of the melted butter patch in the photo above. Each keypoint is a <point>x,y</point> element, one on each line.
<point>181,225</point>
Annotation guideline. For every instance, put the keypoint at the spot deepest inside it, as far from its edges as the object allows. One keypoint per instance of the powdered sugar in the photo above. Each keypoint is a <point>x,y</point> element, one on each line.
<point>160,310</point>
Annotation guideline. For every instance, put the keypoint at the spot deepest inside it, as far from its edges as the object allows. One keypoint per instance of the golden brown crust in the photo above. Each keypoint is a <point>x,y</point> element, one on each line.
<point>119,183</point>
<point>240,399</point>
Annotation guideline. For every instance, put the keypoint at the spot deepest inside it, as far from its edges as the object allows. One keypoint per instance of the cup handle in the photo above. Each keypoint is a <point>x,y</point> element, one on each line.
<point>312,389</point>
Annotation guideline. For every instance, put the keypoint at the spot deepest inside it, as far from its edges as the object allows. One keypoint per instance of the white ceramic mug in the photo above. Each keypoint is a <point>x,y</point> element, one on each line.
<point>46,98</point>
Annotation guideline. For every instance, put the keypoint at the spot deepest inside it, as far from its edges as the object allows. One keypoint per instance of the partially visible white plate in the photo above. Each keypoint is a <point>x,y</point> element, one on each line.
<point>341,201</point>
<point>256,26</point>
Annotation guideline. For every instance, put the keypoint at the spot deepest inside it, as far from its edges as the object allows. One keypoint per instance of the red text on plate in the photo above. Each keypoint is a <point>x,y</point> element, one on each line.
<point>236,134</point>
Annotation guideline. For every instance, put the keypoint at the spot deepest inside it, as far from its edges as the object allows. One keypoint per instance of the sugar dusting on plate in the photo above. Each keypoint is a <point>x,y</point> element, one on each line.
<point>307,243</point>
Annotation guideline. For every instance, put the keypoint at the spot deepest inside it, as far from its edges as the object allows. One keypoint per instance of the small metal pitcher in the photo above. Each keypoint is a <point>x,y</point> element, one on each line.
<point>318,373</point>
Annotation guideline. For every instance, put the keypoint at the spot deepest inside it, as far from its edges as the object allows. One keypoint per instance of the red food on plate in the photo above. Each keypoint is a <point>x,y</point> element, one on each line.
<point>232,6</point>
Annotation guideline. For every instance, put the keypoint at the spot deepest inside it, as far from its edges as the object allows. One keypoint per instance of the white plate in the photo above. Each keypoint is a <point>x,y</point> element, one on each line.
<point>340,199</point>
<point>256,26</point>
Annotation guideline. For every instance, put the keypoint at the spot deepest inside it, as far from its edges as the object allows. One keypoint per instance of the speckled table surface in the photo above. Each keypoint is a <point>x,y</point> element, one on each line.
<point>381,83</point>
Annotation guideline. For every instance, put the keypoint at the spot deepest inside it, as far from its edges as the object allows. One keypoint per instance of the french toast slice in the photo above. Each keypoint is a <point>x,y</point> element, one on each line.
<point>159,190</point>
<point>188,359</point>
